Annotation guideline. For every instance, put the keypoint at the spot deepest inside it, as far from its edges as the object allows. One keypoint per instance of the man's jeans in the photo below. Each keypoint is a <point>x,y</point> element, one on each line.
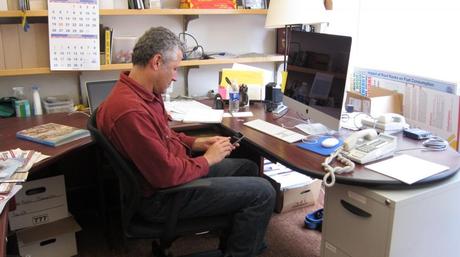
<point>235,188</point>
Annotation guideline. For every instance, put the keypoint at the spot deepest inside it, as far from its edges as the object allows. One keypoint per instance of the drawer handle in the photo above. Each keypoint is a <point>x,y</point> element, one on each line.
<point>355,210</point>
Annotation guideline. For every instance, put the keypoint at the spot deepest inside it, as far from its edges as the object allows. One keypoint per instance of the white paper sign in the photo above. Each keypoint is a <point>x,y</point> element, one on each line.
<point>74,34</point>
<point>406,168</point>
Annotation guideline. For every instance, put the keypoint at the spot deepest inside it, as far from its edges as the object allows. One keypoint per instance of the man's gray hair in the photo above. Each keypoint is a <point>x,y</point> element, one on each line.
<point>158,40</point>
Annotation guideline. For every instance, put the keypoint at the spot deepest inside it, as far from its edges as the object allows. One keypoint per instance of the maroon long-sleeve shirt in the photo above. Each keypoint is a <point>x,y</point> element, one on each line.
<point>136,123</point>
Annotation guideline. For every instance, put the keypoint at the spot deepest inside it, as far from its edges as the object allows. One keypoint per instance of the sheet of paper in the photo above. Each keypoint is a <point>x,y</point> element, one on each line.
<point>204,116</point>
<point>406,168</point>
<point>248,77</point>
<point>5,198</point>
<point>238,114</point>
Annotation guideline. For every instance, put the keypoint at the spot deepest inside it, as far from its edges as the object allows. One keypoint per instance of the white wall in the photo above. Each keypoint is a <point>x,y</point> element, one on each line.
<point>418,37</point>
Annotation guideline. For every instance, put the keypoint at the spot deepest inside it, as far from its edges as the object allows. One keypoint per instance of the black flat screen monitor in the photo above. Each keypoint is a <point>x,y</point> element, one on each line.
<point>97,91</point>
<point>317,72</point>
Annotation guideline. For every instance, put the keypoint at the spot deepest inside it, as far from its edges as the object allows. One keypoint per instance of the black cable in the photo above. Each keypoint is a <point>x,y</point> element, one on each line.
<point>197,46</point>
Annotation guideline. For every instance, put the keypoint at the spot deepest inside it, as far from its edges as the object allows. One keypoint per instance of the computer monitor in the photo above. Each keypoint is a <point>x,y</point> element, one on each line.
<point>317,72</point>
<point>97,91</point>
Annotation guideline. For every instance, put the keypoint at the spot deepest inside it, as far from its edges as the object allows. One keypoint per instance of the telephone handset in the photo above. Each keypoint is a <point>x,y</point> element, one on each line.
<point>352,140</point>
<point>362,147</point>
<point>391,118</point>
<point>388,122</point>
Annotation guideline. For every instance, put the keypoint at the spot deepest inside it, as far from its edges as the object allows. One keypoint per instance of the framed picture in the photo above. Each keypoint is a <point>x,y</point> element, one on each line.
<point>255,4</point>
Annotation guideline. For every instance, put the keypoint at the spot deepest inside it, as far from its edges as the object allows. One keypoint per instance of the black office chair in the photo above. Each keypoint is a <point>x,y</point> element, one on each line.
<point>134,227</point>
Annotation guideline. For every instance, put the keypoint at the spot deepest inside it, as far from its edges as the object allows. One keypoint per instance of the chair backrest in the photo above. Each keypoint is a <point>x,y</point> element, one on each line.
<point>127,173</point>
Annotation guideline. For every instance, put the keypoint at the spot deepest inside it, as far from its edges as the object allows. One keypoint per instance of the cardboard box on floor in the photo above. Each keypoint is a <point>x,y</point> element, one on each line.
<point>39,202</point>
<point>378,101</point>
<point>55,239</point>
<point>293,198</point>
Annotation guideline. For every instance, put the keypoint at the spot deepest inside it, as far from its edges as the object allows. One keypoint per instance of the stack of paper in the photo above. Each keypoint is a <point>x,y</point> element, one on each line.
<point>191,111</point>
<point>15,165</point>
<point>5,198</point>
<point>286,177</point>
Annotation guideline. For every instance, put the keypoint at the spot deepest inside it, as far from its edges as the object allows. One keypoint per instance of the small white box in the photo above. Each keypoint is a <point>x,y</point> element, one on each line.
<point>293,198</point>
<point>379,101</point>
<point>39,202</point>
<point>55,239</point>
<point>123,49</point>
<point>60,103</point>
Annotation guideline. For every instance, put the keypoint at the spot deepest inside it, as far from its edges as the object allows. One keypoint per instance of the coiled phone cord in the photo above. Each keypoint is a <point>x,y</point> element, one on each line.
<point>349,167</point>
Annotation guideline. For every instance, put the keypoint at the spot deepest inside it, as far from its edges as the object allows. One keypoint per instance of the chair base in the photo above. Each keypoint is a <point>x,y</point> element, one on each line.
<point>159,252</point>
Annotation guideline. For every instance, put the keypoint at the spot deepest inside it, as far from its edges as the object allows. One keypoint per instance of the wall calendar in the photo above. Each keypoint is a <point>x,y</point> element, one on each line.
<point>74,34</point>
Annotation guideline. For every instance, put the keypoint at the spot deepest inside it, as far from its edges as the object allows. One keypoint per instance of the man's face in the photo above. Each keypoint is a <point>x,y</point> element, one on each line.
<point>167,73</point>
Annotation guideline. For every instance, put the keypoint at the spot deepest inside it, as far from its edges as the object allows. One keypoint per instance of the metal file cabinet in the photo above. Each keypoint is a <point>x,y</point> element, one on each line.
<point>363,222</point>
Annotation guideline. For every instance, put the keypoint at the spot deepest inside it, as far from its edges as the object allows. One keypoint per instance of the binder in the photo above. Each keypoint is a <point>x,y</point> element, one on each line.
<point>108,45</point>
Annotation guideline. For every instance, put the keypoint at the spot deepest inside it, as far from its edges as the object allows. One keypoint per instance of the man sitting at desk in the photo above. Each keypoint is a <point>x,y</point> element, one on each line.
<point>134,119</point>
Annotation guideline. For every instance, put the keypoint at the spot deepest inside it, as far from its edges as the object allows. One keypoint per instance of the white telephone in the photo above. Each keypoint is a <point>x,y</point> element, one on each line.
<point>362,147</point>
<point>389,122</point>
<point>365,146</point>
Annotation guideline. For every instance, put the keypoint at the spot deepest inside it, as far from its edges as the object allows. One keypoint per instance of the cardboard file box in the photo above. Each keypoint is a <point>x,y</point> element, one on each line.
<point>55,239</point>
<point>292,198</point>
<point>378,101</point>
<point>39,202</point>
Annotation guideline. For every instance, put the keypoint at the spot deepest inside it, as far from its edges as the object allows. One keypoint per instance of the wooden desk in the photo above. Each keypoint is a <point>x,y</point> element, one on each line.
<point>309,163</point>
<point>8,140</point>
<point>9,127</point>
<point>288,154</point>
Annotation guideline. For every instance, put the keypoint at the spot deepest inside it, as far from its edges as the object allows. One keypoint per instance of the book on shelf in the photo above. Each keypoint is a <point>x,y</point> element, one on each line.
<point>3,5</point>
<point>106,35</point>
<point>52,134</point>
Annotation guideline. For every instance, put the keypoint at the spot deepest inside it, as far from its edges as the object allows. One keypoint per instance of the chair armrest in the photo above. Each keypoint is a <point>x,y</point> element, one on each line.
<point>195,184</point>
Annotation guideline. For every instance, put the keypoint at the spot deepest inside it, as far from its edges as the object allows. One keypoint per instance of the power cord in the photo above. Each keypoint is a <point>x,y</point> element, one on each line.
<point>434,143</point>
<point>189,53</point>
<point>329,178</point>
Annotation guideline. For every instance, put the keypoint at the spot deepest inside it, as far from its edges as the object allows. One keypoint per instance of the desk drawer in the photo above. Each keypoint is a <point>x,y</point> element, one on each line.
<point>355,223</point>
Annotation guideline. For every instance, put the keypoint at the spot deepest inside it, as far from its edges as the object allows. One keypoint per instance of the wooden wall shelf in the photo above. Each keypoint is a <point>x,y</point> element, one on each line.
<point>133,12</point>
<point>127,66</point>
<point>188,63</point>
<point>192,13</point>
<point>25,71</point>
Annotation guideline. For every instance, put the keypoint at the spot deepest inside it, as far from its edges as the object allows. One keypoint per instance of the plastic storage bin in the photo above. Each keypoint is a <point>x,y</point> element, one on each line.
<point>54,104</point>
<point>123,49</point>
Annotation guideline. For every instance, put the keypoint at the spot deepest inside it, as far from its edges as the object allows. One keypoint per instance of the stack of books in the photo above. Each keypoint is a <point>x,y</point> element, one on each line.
<point>203,4</point>
<point>144,4</point>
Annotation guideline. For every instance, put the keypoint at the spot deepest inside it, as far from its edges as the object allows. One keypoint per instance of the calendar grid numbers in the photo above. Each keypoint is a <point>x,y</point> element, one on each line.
<point>74,34</point>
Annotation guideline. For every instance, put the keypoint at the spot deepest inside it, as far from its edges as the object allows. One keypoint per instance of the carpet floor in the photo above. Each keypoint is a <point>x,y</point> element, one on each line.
<point>286,237</point>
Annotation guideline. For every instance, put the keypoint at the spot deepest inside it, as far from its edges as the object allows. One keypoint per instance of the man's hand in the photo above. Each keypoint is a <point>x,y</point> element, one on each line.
<point>218,150</point>
<point>203,143</point>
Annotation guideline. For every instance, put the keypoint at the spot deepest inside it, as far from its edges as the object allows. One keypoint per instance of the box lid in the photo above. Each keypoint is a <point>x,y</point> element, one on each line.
<point>53,229</point>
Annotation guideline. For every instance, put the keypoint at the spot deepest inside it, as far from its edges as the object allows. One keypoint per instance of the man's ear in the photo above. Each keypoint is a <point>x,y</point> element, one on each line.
<point>155,62</point>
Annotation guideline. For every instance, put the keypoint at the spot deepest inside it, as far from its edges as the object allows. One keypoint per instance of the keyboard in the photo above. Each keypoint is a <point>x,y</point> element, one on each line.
<point>275,130</point>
